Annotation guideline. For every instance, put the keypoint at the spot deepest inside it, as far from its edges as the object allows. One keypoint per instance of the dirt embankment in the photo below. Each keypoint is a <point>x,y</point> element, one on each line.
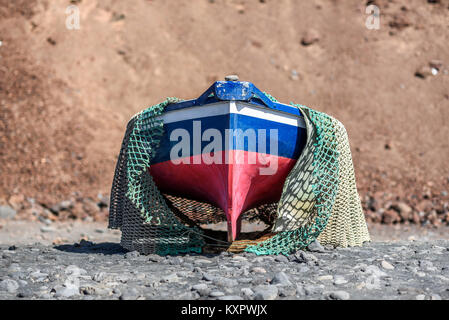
<point>65,95</point>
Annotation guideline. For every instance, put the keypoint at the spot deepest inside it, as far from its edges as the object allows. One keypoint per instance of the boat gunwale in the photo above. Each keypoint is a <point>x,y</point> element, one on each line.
<point>249,94</point>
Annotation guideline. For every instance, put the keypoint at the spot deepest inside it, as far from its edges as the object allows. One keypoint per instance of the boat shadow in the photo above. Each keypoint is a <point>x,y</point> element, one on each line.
<point>216,242</point>
<point>83,247</point>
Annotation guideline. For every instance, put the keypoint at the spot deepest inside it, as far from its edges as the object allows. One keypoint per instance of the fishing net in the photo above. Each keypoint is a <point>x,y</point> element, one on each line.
<point>319,198</point>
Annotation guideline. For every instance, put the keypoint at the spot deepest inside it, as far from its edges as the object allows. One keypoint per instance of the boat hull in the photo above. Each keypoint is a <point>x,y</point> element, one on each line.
<point>233,155</point>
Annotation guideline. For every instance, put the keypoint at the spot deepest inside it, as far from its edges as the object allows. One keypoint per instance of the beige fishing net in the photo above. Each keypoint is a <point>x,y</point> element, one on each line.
<point>319,198</point>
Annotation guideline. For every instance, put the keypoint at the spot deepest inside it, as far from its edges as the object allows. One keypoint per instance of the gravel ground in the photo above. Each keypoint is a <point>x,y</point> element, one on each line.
<point>101,269</point>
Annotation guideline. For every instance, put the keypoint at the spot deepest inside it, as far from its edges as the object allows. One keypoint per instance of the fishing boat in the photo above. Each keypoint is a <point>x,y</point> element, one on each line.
<point>233,147</point>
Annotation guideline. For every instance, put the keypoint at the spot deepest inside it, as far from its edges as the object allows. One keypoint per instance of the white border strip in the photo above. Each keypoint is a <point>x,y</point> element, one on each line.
<point>222,108</point>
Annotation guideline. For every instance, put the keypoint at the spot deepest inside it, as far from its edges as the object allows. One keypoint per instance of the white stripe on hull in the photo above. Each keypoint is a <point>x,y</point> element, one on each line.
<point>222,108</point>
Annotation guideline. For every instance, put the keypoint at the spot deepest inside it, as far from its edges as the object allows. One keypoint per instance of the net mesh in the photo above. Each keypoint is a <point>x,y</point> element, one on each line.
<point>319,198</point>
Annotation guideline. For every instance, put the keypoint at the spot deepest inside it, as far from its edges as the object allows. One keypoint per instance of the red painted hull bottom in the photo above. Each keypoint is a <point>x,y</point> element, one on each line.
<point>235,188</point>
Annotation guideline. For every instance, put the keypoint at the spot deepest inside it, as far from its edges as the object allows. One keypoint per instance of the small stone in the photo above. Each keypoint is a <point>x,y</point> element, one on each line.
<point>47,229</point>
<point>300,291</point>
<point>216,294</point>
<point>170,278</point>
<point>435,297</point>
<point>247,292</point>
<point>99,276</point>
<point>176,261</point>
<point>225,282</point>
<point>232,77</point>
<point>310,37</point>
<point>6,212</point>
<point>155,258</point>
<point>9,285</point>
<point>420,297</point>
<point>312,289</point>
<point>239,259</point>
<point>424,72</point>
<point>287,291</point>
<point>200,286</point>
<point>390,216</point>
<point>294,75</point>
<point>436,64</point>
<point>202,261</point>
<point>267,292</point>
<point>404,210</point>
<point>132,255</point>
<point>375,271</point>
<point>281,258</point>
<point>386,265</point>
<point>66,291</point>
<point>339,295</point>
<point>230,298</point>
<point>25,293</point>
<point>131,294</point>
<point>281,279</point>
<point>208,277</point>
<point>315,246</point>
<point>339,280</point>
<point>202,289</point>
<point>326,278</point>
<point>305,257</point>
<point>258,270</point>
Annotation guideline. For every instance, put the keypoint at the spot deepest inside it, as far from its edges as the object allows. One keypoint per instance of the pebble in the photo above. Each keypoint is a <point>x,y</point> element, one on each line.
<point>267,292</point>
<point>215,294</point>
<point>375,271</point>
<point>9,285</point>
<point>230,298</point>
<point>66,291</point>
<point>326,278</point>
<point>225,282</point>
<point>130,294</point>
<point>258,270</point>
<point>6,212</point>
<point>99,276</point>
<point>281,279</point>
<point>208,277</point>
<point>281,258</point>
<point>247,292</point>
<point>287,291</point>
<point>339,295</point>
<point>239,259</point>
<point>170,278</point>
<point>132,255</point>
<point>300,291</point>
<point>386,265</point>
<point>200,286</point>
<point>315,246</point>
<point>202,289</point>
<point>25,293</point>
<point>313,289</point>
<point>339,280</point>
<point>47,229</point>
<point>155,258</point>
<point>310,37</point>
<point>202,261</point>
<point>305,257</point>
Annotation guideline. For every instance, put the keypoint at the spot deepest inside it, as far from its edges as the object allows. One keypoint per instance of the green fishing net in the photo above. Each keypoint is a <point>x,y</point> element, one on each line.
<point>319,198</point>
